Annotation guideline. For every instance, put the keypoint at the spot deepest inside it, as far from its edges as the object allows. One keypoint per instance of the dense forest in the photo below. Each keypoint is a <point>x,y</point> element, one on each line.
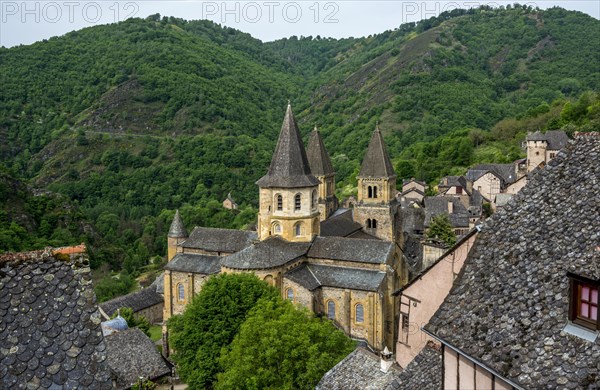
<point>105,131</point>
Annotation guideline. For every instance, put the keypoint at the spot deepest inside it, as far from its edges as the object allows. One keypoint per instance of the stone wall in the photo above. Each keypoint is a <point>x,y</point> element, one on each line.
<point>154,314</point>
<point>302,296</point>
<point>382,214</point>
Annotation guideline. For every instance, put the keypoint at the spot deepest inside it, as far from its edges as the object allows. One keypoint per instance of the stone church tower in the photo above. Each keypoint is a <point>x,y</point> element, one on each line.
<point>321,167</point>
<point>377,209</point>
<point>177,234</point>
<point>288,197</point>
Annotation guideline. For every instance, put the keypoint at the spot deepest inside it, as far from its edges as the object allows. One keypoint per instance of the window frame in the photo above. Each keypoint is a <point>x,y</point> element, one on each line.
<point>297,202</point>
<point>576,284</point>
<point>287,294</point>
<point>279,201</point>
<point>330,315</point>
<point>362,313</point>
<point>180,292</point>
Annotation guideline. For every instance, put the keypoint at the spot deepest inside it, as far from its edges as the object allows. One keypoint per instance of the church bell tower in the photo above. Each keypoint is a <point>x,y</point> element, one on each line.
<point>288,198</point>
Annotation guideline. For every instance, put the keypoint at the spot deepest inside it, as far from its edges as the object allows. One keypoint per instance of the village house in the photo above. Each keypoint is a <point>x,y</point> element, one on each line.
<point>412,189</point>
<point>229,203</point>
<point>341,263</point>
<point>524,312</point>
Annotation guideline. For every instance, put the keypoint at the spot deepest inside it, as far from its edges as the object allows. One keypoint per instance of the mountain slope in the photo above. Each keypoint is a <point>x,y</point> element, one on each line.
<point>135,119</point>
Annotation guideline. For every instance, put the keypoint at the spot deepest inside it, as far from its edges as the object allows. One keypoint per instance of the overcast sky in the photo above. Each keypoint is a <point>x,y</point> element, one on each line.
<point>24,22</point>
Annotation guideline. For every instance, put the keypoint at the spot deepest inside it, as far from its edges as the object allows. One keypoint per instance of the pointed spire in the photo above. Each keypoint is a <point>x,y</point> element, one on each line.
<point>289,167</point>
<point>177,229</point>
<point>376,162</point>
<point>318,159</point>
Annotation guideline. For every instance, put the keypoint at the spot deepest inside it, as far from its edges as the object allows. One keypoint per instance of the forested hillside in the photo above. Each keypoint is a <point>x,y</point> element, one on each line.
<point>130,121</point>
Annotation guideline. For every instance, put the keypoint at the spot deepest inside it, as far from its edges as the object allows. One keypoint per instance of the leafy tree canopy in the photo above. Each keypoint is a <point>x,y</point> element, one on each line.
<point>280,346</point>
<point>210,322</point>
<point>441,229</point>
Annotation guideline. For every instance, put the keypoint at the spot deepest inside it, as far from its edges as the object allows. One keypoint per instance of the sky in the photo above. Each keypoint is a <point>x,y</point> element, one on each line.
<point>28,21</point>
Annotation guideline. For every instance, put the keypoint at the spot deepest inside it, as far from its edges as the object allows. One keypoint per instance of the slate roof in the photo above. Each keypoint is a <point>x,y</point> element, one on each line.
<point>312,276</point>
<point>376,162</point>
<point>453,181</point>
<point>510,304</point>
<point>340,225</point>
<point>556,139</point>
<point>413,218</point>
<point>177,228</point>
<point>289,167</point>
<point>131,355</point>
<point>436,205</point>
<point>50,335</point>
<point>219,240</point>
<point>506,172</point>
<point>138,300</point>
<point>351,249</point>
<point>272,252</point>
<point>318,159</point>
<point>424,372</point>
<point>359,370</point>
<point>199,264</point>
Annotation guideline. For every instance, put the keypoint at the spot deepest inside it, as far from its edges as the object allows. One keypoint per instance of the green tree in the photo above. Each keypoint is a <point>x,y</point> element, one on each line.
<point>210,322</point>
<point>280,346</point>
<point>441,229</point>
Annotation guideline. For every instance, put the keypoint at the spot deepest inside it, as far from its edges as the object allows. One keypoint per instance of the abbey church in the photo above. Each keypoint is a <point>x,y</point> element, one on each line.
<point>340,263</point>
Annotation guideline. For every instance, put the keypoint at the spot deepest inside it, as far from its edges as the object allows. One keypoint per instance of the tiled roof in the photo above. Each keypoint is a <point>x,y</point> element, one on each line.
<point>318,159</point>
<point>351,249</point>
<point>177,228</point>
<point>340,277</point>
<point>131,355</point>
<point>199,264</point>
<point>505,172</point>
<point>272,252</point>
<point>556,139</point>
<point>340,225</point>
<point>360,370</point>
<point>289,167</point>
<point>424,372</point>
<point>376,162</point>
<point>219,240</point>
<point>510,304</point>
<point>50,335</point>
<point>137,301</point>
<point>437,205</point>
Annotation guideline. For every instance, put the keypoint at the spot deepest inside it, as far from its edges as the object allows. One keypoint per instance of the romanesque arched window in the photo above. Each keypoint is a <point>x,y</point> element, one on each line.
<point>298,229</point>
<point>279,200</point>
<point>374,223</point>
<point>276,228</point>
<point>331,310</point>
<point>290,294</point>
<point>297,202</point>
<point>359,313</point>
<point>368,224</point>
<point>180,292</point>
<point>374,191</point>
<point>269,279</point>
<point>369,192</point>
<point>314,200</point>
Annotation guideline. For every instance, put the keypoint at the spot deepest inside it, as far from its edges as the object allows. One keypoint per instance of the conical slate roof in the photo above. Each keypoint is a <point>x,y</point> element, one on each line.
<point>318,159</point>
<point>376,162</point>
<point>177,229</point>
<point>289,167</point>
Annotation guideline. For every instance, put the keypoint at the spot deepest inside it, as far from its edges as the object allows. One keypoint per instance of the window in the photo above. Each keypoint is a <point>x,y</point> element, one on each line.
<point>552,155</point>
<point>279,202</point>
<point>276,228</point>
<point>297,202</point>
<point>368,224</point>
<point>374,192</point>
<point>405,322</point>
<point>369,192</point>
<point>374,223</point>
<point>584,304</point>
<point>290,294</point>
<point>298,229</point>
<point>180,292</point>
<point>458,190</point>
<point>360,313</point>
<point>331,310</point>
<point>314,199</point>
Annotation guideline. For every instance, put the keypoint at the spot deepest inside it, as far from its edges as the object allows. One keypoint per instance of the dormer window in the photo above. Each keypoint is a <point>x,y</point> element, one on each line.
<point>584,303</point>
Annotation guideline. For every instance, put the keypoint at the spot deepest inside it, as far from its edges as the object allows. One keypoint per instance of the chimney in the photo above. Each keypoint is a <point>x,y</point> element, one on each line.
<point>386,360</point>
<point>450,207</point>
